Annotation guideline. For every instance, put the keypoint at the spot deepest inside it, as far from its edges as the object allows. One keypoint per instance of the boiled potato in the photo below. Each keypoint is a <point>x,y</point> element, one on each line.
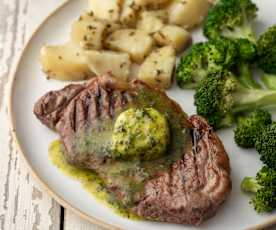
<point>156,4</point>
<point>110,25</point>
<point>129,13</point>
<point>158,68</point>
<point>136,43</point>
<point>175,36</point>
<point>64,62</point>
<point>106,9</point>
<point>88,33</point>
<point>101,62</point>
<point>187,13</point>
<point>161,14</point>
<point>149,23</point>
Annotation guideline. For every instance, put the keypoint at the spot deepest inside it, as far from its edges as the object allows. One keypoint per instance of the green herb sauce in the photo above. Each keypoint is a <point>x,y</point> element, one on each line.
<point>90,180</point>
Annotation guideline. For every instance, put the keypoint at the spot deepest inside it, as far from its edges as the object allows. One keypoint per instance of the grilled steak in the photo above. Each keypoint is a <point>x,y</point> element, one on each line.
<point>186,187</point>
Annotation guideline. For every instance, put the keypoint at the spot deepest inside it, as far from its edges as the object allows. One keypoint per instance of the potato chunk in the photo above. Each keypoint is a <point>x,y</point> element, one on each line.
<point>106,9</point>
<point>175,36</point>
<point>88,33</point>
<point>161,14</point>
<point>136,43</point>
<point>187,13</point>
<point>64,62</point>
<point>129,13</point>
<point>155,4</point>
<point>101,62</point>
<point>158,68</point>
<point>149,23</point>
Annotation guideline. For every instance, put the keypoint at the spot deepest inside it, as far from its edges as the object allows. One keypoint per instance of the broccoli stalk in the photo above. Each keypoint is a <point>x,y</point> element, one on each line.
<point>250,184</point>
<point>247,55</point>
<point>264,189</point>
<point>266,47</point>
<point>269,80</point>
<point>245,76</point>
<point>220,96</point>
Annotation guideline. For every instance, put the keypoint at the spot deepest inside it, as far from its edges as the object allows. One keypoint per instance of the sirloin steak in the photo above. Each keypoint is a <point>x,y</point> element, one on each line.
<point>188,191</point>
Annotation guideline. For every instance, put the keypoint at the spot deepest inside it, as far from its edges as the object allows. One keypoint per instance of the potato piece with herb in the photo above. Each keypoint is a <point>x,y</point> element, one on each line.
<point>187,13</point>
<point>110,26</point>
<point>88,33</point>
<point>101,62</point>
<point>149,23</point>
<point>105,9</point>
<point>136,43</point>
<point>175,36</point>
<point>155,4</point>
<point>129,13</point>
<point>158,68</point>
<point>161,14</point>
<point>64,62</point>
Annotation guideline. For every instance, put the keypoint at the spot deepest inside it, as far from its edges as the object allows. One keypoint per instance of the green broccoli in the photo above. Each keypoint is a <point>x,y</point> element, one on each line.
<point>266,145</point>
<point>266,46</point>
<point>203,58</point>
<point>231,19</point>
<point>249,128</point>
<point>247,55</point>
<point>220,96</point>
<point>264,189</point>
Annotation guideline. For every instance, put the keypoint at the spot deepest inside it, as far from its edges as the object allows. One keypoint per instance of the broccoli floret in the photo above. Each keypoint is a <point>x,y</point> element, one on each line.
<point>266,46</point>
<point>220,96</point>
<point>231,19</point>
<point>247,55</point>
<point>266,145</point>
<point>264,189</point>
<point>203,58</point>
<point>248,128</point>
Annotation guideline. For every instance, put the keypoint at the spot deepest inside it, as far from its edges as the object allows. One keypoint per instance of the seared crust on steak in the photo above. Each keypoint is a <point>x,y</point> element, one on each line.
<point>193,188</point>
<point>196,185</point>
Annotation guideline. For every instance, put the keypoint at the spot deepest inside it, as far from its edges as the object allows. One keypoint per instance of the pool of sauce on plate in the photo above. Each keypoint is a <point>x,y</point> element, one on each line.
<point>89,180</point>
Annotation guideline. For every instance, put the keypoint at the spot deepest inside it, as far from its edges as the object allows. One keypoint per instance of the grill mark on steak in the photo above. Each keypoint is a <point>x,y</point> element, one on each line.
<point>194,187</point>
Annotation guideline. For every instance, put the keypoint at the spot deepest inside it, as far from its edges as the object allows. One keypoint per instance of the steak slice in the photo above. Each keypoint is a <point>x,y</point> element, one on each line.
<point>196,185</point>
<point>189,191</point>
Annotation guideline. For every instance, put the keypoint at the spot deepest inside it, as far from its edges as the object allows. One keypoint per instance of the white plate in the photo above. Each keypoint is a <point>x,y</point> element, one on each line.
<point>30,83</point>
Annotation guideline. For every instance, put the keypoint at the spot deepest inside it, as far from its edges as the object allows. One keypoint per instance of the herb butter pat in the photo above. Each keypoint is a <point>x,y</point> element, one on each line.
<point>140,134</point>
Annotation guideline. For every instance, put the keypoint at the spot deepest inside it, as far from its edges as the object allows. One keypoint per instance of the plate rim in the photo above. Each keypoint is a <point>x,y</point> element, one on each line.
<point>38,178</point>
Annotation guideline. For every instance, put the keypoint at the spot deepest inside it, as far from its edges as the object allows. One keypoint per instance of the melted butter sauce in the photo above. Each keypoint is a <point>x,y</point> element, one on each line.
<point>90,181</point>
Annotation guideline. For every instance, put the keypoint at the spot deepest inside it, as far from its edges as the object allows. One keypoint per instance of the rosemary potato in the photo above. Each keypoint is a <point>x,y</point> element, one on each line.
<point>158,68</point>
<point>107,9</point>
<point>137,43</point>
<point>101,62</point>
<point>187,13</point>
<point>175,36</point>
<point>89,33</point>
<point>149,22</point>
<point>64,62</point>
